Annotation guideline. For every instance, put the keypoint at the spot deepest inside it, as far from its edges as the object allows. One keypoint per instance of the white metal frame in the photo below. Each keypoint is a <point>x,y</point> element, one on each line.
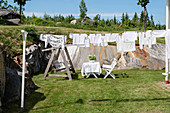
<point>24,35</point>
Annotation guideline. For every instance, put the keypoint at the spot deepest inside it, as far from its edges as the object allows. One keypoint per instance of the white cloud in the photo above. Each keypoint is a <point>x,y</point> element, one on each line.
<point>76,15</point>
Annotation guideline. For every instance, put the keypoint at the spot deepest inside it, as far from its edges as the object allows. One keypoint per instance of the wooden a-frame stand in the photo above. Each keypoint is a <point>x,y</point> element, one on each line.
<point>67,68</point>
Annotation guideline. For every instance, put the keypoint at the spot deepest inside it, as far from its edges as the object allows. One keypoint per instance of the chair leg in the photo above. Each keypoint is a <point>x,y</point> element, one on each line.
<point>95,75</point>
<point>88,75</point>
<point>106,75</point>
<point>113,76</point>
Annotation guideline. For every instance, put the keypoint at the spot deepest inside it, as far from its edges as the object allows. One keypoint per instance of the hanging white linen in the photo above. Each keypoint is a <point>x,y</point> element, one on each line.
<point>130,36</point>
<point>104,41</point>
<point>95,39</point>
<point>123,46</point>
<point>113,37</point>
<point>44,37</point>
<point>158,33</point>
<point>80,40</point>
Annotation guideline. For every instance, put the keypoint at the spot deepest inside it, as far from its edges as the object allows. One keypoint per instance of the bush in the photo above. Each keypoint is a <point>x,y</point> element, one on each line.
<point>32,34</point>
<point>43,22</point>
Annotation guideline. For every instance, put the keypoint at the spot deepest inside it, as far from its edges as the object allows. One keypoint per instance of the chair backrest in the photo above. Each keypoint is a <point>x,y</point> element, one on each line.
<point>114,62</point>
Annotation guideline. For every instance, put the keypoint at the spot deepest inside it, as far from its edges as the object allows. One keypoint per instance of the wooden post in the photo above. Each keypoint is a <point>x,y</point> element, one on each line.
<point>49,63</point>
<point>66,65</point>
<point>69,58</point>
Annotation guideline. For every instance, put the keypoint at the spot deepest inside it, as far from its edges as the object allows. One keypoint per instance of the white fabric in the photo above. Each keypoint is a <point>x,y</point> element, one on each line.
<point>80,40</point>
<point>95,39</point>
<point>159,33</point>
<point>104,41</point>
<point>112,37</point>
<point>130,36</point>
<point>125,46</point>
<point>53,40</point>
<point>91,67</point>
<point>57,40</point>
<point>44,37</point>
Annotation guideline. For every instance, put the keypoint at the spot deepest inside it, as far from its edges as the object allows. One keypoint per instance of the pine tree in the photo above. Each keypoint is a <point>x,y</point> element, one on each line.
<point>141,18</point>
<point>114,20</point>
<point>123,19</point>
<point>83,9</point>
<point>152,22</point>
<point>127,19</point>
<point>135,20</point>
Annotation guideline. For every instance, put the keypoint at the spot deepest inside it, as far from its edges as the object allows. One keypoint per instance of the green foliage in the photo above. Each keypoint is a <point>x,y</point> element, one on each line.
<point>4,5</point>
<point>92,58</point>
<point>143,3</point>
<point>123,19</point>
<point>97,18</point>
<point>5,22</point>
<point>83,9</point>
<point>32,34</point>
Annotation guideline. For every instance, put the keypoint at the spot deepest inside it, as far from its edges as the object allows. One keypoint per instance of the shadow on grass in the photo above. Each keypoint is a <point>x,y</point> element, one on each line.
<point>79,101</point>
<point>29,102</point>
<point>130,100</point>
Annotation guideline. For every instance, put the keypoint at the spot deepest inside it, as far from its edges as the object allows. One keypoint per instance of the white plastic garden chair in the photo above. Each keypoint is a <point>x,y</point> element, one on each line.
<point>109,68</point>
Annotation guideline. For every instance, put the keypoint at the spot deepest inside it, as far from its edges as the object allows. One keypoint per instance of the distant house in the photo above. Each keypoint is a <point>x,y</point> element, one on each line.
<point>10,15</point>
<point>86,18</point>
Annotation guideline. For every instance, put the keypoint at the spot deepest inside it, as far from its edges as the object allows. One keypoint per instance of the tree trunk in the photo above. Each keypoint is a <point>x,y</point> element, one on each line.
<point>20,11</point>
<point>144,18</point>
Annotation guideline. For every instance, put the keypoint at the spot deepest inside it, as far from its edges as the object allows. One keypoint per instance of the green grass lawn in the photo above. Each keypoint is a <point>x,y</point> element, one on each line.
<point>141,90</point>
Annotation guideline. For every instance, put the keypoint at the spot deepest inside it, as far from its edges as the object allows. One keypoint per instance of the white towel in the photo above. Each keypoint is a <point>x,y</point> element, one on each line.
<point>125,46</point>
<point>112,37</point>
<point>130,36</point>
<point>95,39</point>
<point>44,37</point>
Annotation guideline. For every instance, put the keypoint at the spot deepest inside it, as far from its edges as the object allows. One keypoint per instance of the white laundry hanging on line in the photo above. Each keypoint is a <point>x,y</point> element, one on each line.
<point>57,41</point>
<point>158,33</point>
<point>44,37</point>
<point>151,38</point>
<point>80,40</point>
<point>113,37</point>
<point>95,39</point>
<point>84,38</point>
<point>123,46</point>
<point>104,41</point>
<point>142,40</point>
<point>146,38</point>
<point>130,36</point>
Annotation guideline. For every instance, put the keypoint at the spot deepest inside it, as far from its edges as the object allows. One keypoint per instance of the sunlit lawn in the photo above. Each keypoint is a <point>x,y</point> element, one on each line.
<point>141,90</point>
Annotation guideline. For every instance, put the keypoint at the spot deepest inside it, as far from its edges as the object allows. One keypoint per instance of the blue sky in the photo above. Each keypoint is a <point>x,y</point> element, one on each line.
<point>106,8</point>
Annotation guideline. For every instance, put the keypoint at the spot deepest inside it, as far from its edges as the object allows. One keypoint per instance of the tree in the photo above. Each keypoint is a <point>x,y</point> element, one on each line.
<point>83,9</point>
<point>114,20</point>
<point>21,3</point>
<point>97,18</point>
<point>135,20</point>
<point>102,23</point>
<point>152,22</point>
<point>47,17</point>
<point>143,3</point>
<point>4,5</point>
<point>123,19</point>
<point>108,23</point>
<point>127,21</point>
<point>141,18</point>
